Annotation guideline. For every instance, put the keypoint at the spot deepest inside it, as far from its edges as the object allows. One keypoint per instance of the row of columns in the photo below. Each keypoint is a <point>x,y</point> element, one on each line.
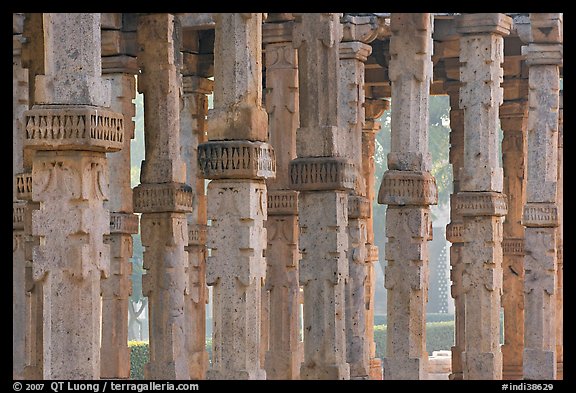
<point>314,184</point>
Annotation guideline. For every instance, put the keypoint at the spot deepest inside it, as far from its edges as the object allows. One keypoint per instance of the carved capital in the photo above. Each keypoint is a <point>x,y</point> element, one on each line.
<point>365,28</point>
<point>513,246</point>
<point>541,215</point>
<point>196,84</point>
<point>544,54</point>
<point>73,128</point>
<point>18,214</point>
<point>322,173</point>
<point>273,33</point>
<point>454,232</point>
<point>375,108</point>
<point>238,159</point>
<point>371,253</point>
<point>24,186</point>
<point>408,188</point>
<point>355,50</point>
<point>123,223</point>
<point>483,23</point>
<point>197,234</point>
<point>358,207</point>
<point>481,203</point>
<point>164,197</point>
<point>282,202</point>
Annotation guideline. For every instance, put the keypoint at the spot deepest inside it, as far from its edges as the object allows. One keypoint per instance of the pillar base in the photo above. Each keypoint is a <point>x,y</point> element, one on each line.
<point>165,370</point>
<point>539,364</point>
<point>282,365</point>
<point>482,365</point>
<point>198,364</point>
<point>326,372</point>
<point>376,369</point>
<point>236,374</point>
<point>512,372</point>
<point>404,368</point>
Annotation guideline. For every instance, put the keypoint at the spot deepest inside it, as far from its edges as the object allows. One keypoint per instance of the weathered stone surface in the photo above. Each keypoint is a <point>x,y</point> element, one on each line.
<point>236,269</point>
<point>282,202</point>
<point>236,160</point>
<point>481,203</point>
<point>73,128</point>
<point>322,173</point>
<point>238,112</point>
<point>408,188</point>
<point>162,197</point>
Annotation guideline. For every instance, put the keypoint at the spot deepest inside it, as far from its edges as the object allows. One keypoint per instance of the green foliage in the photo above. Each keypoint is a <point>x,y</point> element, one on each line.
<point>139,356</point>
<point>439,336</point>
<point>380,319</point>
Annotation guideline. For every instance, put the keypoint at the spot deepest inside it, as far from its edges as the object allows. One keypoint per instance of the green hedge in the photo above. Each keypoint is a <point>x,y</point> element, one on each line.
<point>381,319</point>
<point>439,335</point>
<point>140,355</point>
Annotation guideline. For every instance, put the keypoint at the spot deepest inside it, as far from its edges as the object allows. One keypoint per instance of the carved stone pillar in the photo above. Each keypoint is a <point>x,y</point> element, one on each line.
<point>540,215</point>
<point>560,246</point>
<point>513,118</point>
<point>119,68</point>
<point>373,111</point>
<point>19,105</point>
<point>480,200</point>
<point>455,227</point>
<point>408,189</point>
<point>323,176</point>
<point>283,358</point>
<point>163,197</point>
<point>71,129</point>
<point>196,88</point>
<point>238,159</point>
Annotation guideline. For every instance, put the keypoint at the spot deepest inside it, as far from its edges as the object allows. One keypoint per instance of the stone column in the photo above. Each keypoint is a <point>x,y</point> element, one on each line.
<point>455,227</point>
<point>71,129</point>
<point>408,189</point>
<point>238,159</point>
<point>163,197</point>
<point>480,200</point>
<point>540,215</point>
<point>19,105</point>
<point>282,359</point>
<point>196,87</point>
<point>373,111</point>
<point>33,60</point>
<point>513,118</point>
<point>560,245</point>
<point>324,176</point>
<point>119,67</point>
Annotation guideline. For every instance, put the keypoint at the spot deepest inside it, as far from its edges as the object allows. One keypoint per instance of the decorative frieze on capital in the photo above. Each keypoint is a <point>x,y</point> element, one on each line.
<point>481,203</point>
<point>123,223</point>
<point>163,197</point>
<point>544,54</point>
<point>18,215</point>
<point>355,50</point>
<point>322,173</point>
<point>273,33</point>
<point>358,207</point>
<point>371,253</point>
<point>73,128</point>
<point>408,188</point>
<point>238,159</point>
<point>282,202</point>
<point>540,215</point>
<point>454,232</point>
<point>197,234</point>
<point>24,186</point>
<point>513,246</point>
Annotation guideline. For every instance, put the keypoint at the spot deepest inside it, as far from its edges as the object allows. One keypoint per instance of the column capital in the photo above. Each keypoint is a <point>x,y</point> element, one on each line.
<point>355,50</point>
<point>192,84</point>
<point>123,223</point>
<point>275,33</point>
<point>163,197</point>
<point>540,215</point>
<point>481,203</point>
<point>408,188</point>
<point>374,108</point>
<point>365,28</point>
<point>322,173</point>
<point>494,23</point>
<point>282,202</point>
<point>546,28</point>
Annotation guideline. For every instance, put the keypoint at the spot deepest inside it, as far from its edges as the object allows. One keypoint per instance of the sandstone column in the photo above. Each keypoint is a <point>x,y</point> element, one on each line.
<point>455,227</point>
<point>560,246</point>
<point>196,87</point>
<point>163,198</point>
<point>33,60</point>
<point>323,175</point>
<point>119,67</point>
<point>71,129</point>
<point>282,359</point>
<point>513,118</point>
<point>373,111</point>
<point>408,189</point>
<point>480,200</point>
<point>238,159</point>
<point>354,51</point>
<point>19,105</point>
<point>540,215</point>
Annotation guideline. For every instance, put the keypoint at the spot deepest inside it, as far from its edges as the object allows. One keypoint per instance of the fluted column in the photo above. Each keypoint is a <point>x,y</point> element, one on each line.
<point>323,175</point>
<point>480,200</point>
<point>282,359</point>
<point>408,189</point>
<point>71,129</point>
<point>238,159</point>
<point>373,111</point>
<point>119,68</point>
<point>513,119</point>
<point>163,197</point>
<point>540,215</point>
<point>455,227</point>
<point>193,125</point>
<point>19,105</point>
